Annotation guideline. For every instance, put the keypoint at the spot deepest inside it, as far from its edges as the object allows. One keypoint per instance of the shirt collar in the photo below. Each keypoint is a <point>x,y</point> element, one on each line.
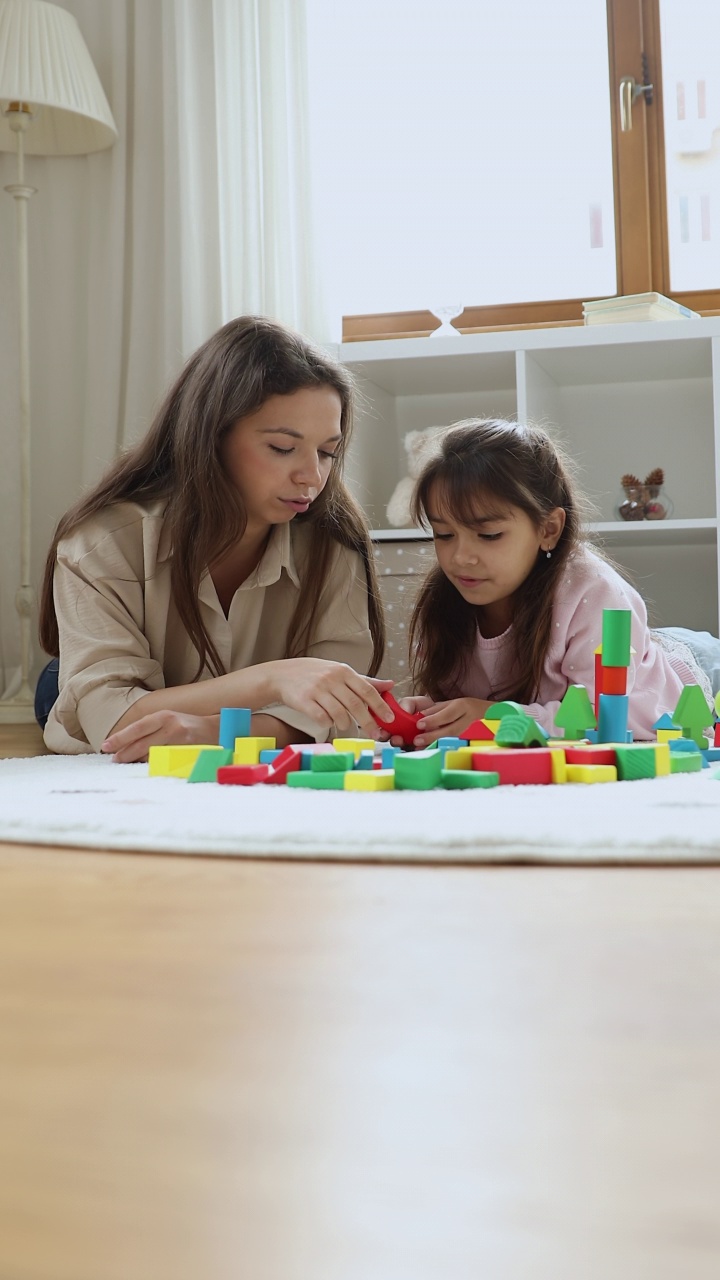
<point>278,555</point>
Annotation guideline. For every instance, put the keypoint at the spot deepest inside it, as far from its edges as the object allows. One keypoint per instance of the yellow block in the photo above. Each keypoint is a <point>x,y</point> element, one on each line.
<point>370,780</point>
<point>483,745</point>
<point>591,773</point>
<point>175,762</point>
<point>356,745</point>
<point>666,735</point>
<point>662,759</point>
<point>558,764</point>
<point>492,725</point>
<point>247,750</point>
<point>459,758</point>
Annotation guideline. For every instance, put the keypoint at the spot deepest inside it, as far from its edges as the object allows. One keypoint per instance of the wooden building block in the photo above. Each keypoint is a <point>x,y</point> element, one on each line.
<point>332,762</point>
<point>464,779</point>
<point>591,773</point>
<point>208,762</point>
<point>243,775</point>
<point>317,781</point>
<point>356,745</point>
<point>370,780</point>
<point>418,771</point>
<point>247,750</point>
<point>177,761</point>
<point>516,766</point>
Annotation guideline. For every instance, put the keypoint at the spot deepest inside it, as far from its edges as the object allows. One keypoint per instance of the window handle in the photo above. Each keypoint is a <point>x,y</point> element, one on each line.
<point>630,91</point>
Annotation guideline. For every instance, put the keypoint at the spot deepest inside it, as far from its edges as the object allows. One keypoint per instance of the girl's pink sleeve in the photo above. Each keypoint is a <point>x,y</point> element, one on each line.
<point>652,684</point>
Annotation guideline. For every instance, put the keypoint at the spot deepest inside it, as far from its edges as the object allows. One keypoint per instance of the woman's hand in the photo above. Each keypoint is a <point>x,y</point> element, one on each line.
<point>331,693</point>
<point>448,719</point>
<point>160,728</point>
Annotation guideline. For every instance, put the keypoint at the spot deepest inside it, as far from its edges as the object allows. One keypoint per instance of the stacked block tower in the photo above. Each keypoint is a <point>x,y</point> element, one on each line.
<point>611,668</point>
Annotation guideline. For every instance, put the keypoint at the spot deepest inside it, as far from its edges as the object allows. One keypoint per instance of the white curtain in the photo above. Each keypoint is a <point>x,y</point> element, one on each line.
<point>199,212</point>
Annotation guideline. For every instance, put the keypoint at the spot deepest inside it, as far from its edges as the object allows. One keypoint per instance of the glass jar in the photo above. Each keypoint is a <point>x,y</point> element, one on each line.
<point>644,502</point>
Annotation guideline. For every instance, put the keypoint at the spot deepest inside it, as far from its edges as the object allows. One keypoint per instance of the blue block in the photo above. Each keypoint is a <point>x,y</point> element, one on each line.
<point>683,744</point>
<point>365,759</point>
<point>388,755</point>
<point>267,757</point>
<point>234,723</point>
<point>613,717</point>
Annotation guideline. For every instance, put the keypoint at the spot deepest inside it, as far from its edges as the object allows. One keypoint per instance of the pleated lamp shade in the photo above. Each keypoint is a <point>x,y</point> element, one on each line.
<point>45,63</point>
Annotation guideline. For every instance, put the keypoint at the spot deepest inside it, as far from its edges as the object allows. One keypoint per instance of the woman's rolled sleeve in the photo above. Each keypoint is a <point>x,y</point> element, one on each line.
<point>105,661</point>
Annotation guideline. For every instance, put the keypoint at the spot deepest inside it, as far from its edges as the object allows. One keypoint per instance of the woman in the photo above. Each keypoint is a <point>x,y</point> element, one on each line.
<point>220,562</point>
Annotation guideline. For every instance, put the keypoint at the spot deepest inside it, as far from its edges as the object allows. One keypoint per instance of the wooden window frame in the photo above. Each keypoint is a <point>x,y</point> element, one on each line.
<point>643,262</point>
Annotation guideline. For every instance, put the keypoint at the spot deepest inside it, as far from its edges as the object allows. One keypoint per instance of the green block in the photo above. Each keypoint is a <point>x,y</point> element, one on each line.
<point>332,762</point>
<point>463,779</point>
<point>616,638</point>
<point>575,714</point>
<point>418,770</point>
<point>692,715</point>
<point>317,781</point>
<point>686,762</point>
<point>635,762</point>
<point>208,762</point>
<point>498,710</point>
<point>520,731</point>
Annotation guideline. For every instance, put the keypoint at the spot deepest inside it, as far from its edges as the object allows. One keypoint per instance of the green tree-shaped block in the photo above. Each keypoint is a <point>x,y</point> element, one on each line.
<point>692,714</point>
<point>575,714</point>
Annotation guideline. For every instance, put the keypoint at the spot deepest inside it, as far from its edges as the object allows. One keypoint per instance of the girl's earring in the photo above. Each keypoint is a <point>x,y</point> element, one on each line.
<point>548,554</point>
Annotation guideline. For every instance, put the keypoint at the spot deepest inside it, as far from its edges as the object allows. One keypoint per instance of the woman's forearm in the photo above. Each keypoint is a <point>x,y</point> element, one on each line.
<point>253,687</point>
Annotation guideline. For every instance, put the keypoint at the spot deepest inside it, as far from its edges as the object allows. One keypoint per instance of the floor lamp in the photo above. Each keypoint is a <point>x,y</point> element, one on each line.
<point>51,103</point>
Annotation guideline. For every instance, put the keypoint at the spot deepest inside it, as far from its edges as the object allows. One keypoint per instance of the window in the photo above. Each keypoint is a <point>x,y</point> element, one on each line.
<point>468,153</point>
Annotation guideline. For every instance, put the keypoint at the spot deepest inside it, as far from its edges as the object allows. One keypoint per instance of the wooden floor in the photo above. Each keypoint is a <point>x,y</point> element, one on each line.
<point>213,1070</point>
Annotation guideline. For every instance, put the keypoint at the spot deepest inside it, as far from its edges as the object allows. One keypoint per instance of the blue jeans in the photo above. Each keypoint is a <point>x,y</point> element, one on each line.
<point>46,691</point>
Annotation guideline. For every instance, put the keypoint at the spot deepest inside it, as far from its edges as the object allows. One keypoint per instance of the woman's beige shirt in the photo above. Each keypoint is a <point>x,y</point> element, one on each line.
<point>121,636</point>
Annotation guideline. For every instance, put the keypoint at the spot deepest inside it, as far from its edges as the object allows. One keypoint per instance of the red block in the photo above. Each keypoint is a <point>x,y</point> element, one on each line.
<point>716,741</point>
<point>524,764</point>
<point>243,775</point>
<point>590,755</point>
<point>613,679</point>
<point>403,726</point>
<point>477,732</point>
<point>288,761</point>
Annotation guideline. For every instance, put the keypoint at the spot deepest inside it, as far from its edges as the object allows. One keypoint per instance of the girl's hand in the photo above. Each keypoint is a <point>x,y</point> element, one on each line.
<point>331,693</point>
<point>160,728</point>
<point>448,719</point>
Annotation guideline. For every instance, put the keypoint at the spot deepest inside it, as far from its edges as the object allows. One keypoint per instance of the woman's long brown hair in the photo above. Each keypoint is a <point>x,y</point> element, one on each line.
<point>228,378</point>
<point>482,464</point>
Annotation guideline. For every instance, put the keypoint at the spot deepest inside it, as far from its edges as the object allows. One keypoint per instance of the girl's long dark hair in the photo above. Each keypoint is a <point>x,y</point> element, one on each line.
<point>228,378</point>
<point>485,464</point>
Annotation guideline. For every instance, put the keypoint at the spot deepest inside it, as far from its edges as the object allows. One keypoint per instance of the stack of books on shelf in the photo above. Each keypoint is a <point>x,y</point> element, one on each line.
<point>635,307</point>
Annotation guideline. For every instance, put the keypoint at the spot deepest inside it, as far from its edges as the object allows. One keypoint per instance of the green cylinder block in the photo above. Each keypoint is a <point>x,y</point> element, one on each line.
<point>616,638</point>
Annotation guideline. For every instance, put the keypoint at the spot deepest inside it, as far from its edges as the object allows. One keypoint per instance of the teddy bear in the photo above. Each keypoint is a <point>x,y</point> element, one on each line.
<point>419,447</point>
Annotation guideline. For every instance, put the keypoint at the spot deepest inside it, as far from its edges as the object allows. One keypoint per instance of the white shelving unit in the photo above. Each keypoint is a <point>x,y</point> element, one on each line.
<point>619,398</point>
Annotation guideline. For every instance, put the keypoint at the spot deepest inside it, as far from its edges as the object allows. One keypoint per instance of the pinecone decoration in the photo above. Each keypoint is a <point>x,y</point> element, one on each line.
<point>654,482</point>
<point>629,482</point>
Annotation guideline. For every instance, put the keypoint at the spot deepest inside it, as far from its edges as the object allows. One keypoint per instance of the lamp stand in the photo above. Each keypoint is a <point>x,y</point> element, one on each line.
<point>20,708</point>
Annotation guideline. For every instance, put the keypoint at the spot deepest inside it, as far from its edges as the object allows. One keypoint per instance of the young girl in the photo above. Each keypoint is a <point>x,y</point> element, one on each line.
<point>514,608</point>
<point>219,562</point>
